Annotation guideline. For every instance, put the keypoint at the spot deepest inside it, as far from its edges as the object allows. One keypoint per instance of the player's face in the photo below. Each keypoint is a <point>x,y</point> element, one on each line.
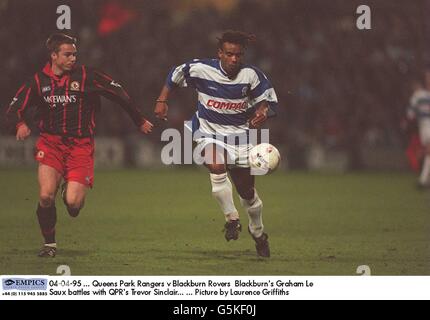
<point>231,55</point>
<point>65,58</point>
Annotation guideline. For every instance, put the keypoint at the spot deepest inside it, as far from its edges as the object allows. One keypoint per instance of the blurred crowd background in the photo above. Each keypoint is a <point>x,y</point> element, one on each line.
<point>342,91</point>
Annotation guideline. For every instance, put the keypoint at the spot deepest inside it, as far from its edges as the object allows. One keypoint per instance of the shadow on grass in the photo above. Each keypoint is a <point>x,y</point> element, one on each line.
<point>207,255</point>
<point>61,253</point>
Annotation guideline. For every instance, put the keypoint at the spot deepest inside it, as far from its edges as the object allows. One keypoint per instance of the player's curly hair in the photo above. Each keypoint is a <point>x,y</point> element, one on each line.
<point>55,40</point>
<point>237,37</point>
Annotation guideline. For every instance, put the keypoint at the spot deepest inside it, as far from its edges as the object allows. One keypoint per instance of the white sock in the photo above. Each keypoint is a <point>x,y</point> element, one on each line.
<point>52,245</point>
<point>222,191</point>
<point>424,177</point>
<point>254,208</point>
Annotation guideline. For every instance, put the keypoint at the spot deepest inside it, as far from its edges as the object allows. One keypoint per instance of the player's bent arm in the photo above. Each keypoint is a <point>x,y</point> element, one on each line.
<point>20,104</point>
<point>260,115</point>
<point>176,78</point>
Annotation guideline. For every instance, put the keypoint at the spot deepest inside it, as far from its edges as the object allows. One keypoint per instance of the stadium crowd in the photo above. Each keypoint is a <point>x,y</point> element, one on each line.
<point>338,86</point>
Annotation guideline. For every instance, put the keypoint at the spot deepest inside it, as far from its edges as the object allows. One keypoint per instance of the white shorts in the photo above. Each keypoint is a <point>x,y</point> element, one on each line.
<point>237,154</point>
<point>424,127</point>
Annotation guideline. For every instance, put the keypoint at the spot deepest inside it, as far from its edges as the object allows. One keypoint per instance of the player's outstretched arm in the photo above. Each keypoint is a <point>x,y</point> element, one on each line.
<point>176,78</point>
<point>114,91</point>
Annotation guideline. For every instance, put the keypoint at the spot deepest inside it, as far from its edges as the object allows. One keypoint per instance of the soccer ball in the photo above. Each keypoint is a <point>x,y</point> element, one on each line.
<point>264,158</point>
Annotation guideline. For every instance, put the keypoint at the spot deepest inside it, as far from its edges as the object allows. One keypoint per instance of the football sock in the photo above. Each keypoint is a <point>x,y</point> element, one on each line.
<point>47,219</point>
<point>254,208</point>
<point>222,191</point>
<point>425,171</point>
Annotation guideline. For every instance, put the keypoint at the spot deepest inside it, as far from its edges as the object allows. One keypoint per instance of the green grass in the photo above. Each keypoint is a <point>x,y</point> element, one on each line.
<point>142,222</point>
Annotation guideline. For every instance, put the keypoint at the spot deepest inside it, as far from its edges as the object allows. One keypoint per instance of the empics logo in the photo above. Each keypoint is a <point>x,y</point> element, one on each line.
<point>25,284</point>
<point>9,282</point>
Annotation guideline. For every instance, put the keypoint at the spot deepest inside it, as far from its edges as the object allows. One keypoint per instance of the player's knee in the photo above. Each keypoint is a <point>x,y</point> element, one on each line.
<point>245,192</point>
<point>73,212</point>
<point>74,205</point>
<point>47,199</point>
<point>253,202</point>
<point>216,168</point>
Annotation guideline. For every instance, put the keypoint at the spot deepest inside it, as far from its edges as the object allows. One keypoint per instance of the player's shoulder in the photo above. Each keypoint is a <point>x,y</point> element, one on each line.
<point>254,71</point>
<point>91,72</point>
<point>205,63</point>
<point>420,94</point>
<point>85,68</point>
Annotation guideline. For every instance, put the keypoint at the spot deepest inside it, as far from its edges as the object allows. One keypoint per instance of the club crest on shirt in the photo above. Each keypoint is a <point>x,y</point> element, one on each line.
<point>245,91</point>
<point>74,86</point>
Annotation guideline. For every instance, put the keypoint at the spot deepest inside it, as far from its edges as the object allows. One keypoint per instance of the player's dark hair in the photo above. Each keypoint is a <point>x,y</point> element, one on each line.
<point>55,40</point>
<point>236,37</point>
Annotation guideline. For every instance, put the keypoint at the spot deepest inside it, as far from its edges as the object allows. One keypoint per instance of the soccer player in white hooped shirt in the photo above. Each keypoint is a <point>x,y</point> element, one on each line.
<point>419,110</point>
<point>232,98</point>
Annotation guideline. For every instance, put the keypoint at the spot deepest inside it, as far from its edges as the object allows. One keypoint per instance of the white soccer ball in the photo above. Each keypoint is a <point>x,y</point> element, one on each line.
<point>264,158</point>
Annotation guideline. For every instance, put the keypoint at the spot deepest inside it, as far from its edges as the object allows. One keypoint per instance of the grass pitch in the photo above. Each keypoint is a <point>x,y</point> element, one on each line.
<point>144,222</point>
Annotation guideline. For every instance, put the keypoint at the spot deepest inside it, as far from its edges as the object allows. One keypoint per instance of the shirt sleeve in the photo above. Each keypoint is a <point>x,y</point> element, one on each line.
<point>18,108</point>
<point>114,91</point>
<point>262,90</point>
<point>179,76</point>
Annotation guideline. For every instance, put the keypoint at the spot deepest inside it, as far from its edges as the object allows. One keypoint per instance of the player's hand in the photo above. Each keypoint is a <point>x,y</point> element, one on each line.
<point>160,110</point>
<point>146,127</point>
<point>23,132</point>
<point>259,117</point>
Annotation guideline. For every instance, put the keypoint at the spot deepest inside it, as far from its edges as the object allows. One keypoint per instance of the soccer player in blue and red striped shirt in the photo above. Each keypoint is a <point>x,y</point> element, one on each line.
<point>67,97</point>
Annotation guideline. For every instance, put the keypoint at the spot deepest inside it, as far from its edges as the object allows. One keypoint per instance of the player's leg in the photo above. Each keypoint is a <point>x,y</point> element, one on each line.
<point>424,179</point>
<point>73,195</point>
<point>245,186</point>
<point>244,183</point>
<point>222,191</point>
<point>49,180</point>
<point>79,174</point>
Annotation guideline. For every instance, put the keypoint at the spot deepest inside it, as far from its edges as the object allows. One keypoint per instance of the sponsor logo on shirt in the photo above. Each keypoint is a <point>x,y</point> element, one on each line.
<point>46,89</point>
<point>60,99</point>
<point>227,105</point>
